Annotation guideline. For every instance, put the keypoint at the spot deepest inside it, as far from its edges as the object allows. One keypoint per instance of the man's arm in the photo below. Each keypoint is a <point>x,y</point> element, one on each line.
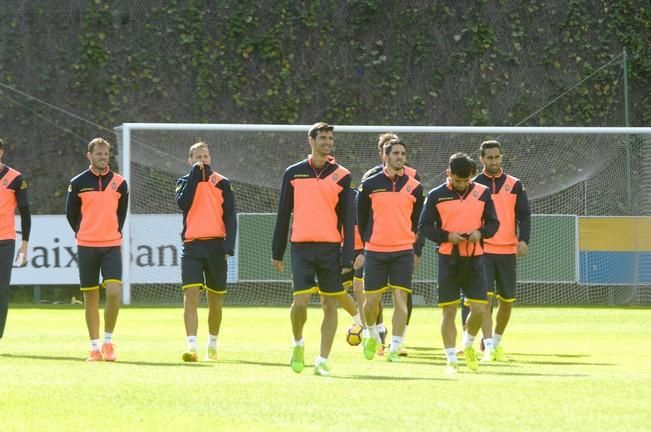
<point>285,207</point>
<point>73,207</point>
<point>229,216</point>
<point>187,186</point>
<point>489,216</point>
<point>415,216</point>
<point>20,187</point>
<point>523,213</point>
<point>123,204</point>
<point>429,224</point>
<point>346,209</point>
<point>363,205</point>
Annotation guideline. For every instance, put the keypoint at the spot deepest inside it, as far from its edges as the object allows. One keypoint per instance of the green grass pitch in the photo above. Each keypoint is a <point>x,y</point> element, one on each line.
<point>571,369</point>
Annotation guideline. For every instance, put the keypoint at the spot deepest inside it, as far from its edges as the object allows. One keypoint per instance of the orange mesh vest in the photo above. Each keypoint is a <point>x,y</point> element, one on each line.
<point>315,202</point>
<point>463,215</point>
<point>99,222</point>
<point>392,219</point>
<point>205,218</point>
<point>8,205</point>
<point>505,241</point>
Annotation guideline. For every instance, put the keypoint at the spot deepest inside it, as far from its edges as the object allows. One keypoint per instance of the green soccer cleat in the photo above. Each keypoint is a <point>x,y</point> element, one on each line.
<point>498,355</point>
<point>322,369</point>
<point>190,356</point>
<point>471,359</point>
<point>211,354</point>
<point>394,357</point>
<point>297,361</point>
<point>370,347</point>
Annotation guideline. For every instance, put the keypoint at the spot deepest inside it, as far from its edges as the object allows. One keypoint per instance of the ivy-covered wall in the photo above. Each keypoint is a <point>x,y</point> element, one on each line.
<point>347,62</point>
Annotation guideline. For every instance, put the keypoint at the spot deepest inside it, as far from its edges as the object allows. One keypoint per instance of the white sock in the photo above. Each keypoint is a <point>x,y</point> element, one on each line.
<point>299,342</point>
<point>357,319</point>
<point>396,341</point>
<point>372,332</point>
<point>108,337</point>
<point>212,341</point>
<point>381,328</point>
<point>365,333</point>
<point>192,342</point>
<point>319,360</point>
<point>451,354</point>
<point>468,339</point>
<point>488,344</point>
<point>497,338</point>
<point>94,344</point>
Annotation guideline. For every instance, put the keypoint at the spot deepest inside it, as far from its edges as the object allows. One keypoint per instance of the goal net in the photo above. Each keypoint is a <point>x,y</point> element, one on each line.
<point>588,188</point>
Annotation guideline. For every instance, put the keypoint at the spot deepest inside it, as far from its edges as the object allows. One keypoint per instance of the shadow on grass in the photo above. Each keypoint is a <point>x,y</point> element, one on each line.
<point>78,359</point>
<point>562,363</point>
<point>385,378</point>
<point>487,371</point>
<point>256,363</point>
<point>418,348</point>
<point>549,355</point>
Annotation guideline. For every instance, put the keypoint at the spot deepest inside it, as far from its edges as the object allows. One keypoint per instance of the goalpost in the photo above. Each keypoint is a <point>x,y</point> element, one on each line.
<point>589,190</point>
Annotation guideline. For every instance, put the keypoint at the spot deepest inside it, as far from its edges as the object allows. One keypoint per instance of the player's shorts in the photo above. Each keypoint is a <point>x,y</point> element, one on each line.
<point>463,274</point>
<point>347,278</point>
<point>500,274</point>
<point>203,265</point>
<point>93,260</point>
<point>388,270</point>
<point>312,261</point>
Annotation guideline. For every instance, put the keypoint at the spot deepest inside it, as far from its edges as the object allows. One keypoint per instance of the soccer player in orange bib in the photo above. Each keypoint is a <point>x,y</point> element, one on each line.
<point>13,194</point>
<point>388,207</point>
<point>459,215</point>
<point>209,229</point>
<point>96,207</point>
<point>316,190</point>
<point>510,241</point>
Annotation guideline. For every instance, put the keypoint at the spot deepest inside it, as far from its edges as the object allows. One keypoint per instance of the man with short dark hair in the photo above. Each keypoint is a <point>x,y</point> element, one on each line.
<point>510,241</point>
<point>458,215</point>
<point>316,191</point>
<point>13,194</point>
<point>388,207</point>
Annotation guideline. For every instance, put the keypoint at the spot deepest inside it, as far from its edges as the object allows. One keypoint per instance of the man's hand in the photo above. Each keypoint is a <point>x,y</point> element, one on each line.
<point>474,236</point>
<point>416,261</point>
<point>455,238</point>
<point>523,248</point>
<point>21,256</point>
<point>279,265</point>
<point>359,262</point>
<point>345,270</point>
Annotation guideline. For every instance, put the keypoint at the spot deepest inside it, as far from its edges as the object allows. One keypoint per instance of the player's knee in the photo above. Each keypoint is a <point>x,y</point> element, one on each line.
<point>191,296</point>
<point>113,292</point>
<point>329,304</point>
<point>301,301</point>
<point>449,312</point>
<point>91,297</point>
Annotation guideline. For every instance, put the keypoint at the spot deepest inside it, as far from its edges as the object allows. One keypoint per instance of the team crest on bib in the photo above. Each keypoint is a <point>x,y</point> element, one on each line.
<point>475,194</point>
<point>335,177</point>
<point>213,180</point>
<point>408,188</point>
<point>5,182</point>
<point>113,186</point>
<point>507,188</point>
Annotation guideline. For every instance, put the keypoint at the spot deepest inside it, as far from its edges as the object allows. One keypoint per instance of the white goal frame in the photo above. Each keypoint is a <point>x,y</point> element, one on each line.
<point>125,157</point>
